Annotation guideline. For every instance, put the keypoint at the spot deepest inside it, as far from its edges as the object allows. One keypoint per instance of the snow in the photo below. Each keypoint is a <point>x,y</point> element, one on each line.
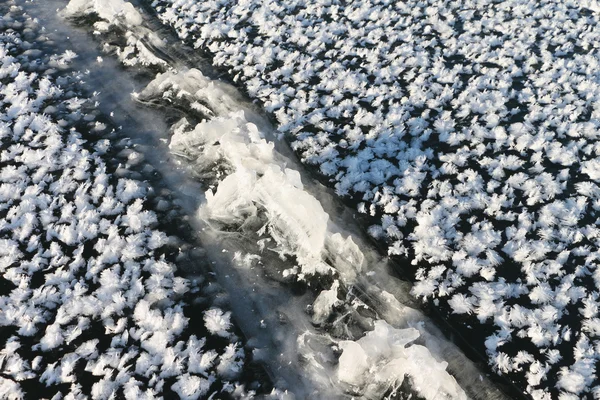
<point>190,387</point>
<point>217,322</point>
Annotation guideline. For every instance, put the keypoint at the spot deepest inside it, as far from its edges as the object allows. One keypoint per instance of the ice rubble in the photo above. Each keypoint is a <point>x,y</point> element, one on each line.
<point>109,11</point>
<point>255,194</point>
<point>259,192</point>
<point>123,19</point>
<point>469,129</point>
<point>381,357</point>
<point>91,305</point>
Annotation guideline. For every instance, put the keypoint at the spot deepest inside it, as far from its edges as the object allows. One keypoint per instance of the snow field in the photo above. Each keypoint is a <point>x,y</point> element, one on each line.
<point>91,302</point>
<point>468,131</point>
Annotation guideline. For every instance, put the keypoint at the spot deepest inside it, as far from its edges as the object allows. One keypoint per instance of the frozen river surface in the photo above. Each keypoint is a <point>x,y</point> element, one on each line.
<point>189,252</point>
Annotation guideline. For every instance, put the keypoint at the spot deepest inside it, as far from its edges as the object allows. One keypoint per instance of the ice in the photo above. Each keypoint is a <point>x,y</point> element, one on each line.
<point>120,15</point>
<point>205,95</point>
<point>353,363</point>
<point>256,194</point>
<point>347,256</point>
<point>89,280</point>
<point>294,219</point>
<point>381,360</point>
<point>243,166</point>
<point>109,10</point>
<point>260,192</point>
<point>325,302</point>
<point>477,151</point>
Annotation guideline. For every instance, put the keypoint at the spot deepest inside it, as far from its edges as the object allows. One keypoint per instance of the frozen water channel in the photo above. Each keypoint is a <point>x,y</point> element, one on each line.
<point>319,305</point>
